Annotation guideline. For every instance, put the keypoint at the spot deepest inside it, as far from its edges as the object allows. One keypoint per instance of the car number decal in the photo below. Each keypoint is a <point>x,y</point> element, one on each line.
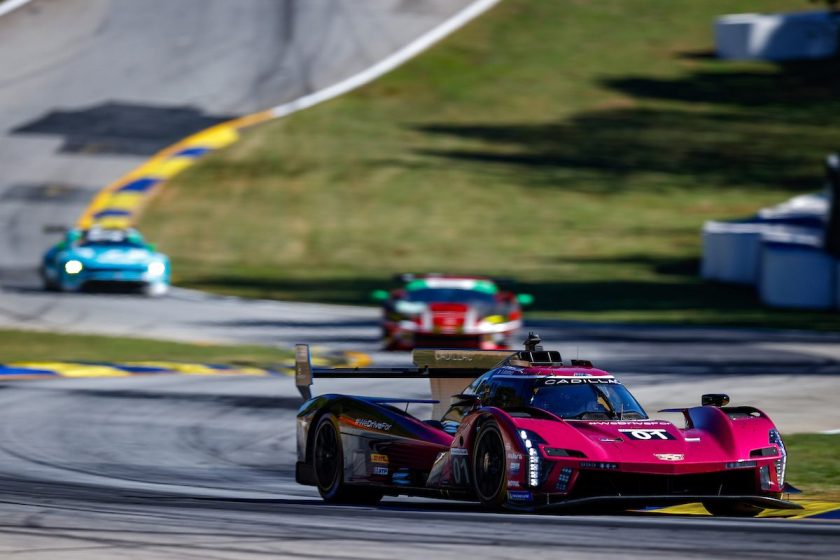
<point>646,433</point>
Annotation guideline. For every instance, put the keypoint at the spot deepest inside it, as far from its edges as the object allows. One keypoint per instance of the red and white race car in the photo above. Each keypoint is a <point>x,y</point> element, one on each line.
<point>450,312</point>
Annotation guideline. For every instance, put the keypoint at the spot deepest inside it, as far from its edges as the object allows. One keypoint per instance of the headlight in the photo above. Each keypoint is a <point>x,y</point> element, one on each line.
<point>73,267</point>
<point>409,307</point>
<point>530,440</point>
<point>156,268</point>
<point>776,439</point>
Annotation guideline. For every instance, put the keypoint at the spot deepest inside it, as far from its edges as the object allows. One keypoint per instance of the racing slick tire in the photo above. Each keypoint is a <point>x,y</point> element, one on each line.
<point>49,285</point>
<point>732,510</point>
<point>328,463</point>
<point>489,467</point>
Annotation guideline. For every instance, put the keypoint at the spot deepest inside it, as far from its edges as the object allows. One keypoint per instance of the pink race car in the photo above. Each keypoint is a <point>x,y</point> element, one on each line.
<point>529,431</point>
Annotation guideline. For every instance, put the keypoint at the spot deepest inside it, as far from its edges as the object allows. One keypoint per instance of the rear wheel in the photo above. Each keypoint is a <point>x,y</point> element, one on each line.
<point>328,462</point>
<point>489,468</point>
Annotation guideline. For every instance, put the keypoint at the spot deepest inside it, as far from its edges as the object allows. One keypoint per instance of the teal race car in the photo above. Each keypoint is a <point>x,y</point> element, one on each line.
<point>105,258</point>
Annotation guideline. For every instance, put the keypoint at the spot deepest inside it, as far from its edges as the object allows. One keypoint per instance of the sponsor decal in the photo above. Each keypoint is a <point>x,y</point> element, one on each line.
<point>460,470</point>
<point>549,381</point>
<point>514,468</point>
<point>514,456</point>
<point>646,433</point>
<point>380,471</point>
<point>513,484</point>
<point>519,496</point>
<point>378,458</point>
<point>669,456</point>
<point>458,451</point>
<point>627,423</point>
<point>373,424</point>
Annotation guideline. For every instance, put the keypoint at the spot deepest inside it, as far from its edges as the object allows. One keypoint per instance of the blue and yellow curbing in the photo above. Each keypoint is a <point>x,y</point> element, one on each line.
<point>813,509</point>
<point>119,204</point>
<point>24,370</point>
<point>45,369</point>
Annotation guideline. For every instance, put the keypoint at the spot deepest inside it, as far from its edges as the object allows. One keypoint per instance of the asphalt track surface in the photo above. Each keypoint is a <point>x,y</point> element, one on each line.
<point>201,467</point>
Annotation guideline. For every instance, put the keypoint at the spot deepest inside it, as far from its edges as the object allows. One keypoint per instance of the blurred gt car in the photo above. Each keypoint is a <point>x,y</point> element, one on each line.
<point>449,311</point>
<point>105,257</point>
<point>533,432</point>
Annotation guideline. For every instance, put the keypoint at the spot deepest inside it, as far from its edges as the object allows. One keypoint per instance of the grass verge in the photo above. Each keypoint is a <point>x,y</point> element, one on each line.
<point>814,465</point>
<point>575,146</point>
<point>19,346</point>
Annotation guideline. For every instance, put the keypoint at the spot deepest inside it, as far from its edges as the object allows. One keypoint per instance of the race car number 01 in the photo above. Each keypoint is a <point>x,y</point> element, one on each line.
<point>635,433</point>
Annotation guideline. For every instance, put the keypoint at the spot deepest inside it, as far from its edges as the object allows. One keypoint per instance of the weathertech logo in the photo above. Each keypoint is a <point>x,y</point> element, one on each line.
<point>669,456</point>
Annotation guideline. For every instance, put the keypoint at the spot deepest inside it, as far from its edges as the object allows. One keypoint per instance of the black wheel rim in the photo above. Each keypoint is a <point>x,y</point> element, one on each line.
<point>489,465</point>
<point>326,456</point>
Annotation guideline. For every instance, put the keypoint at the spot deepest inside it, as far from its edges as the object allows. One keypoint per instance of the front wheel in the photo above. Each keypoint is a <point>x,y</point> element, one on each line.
<point>328,461</point>
<point>489,468</point>
<point>154,289</point>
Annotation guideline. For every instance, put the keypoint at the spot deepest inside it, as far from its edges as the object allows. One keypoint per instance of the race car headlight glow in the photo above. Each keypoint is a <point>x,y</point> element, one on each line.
<point>775,438</point>
<point>563,480</point>
<point>156,268</point>
<point>409,307</point>
<point>73,267</point>
<point>529,440</point>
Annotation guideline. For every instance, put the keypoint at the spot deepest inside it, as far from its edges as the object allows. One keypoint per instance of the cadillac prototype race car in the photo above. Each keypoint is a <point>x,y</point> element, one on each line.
<point>449,311</point>
<point>105,257</point>
<point>529,431</point>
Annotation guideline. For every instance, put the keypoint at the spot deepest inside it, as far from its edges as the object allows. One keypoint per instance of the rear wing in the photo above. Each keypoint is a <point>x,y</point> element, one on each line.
<point>458,367</point>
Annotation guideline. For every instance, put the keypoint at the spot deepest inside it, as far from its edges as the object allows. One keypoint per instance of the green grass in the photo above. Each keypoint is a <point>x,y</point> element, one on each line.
<point>20,346</point>
<point>576,146</point>
<point>814,464</point>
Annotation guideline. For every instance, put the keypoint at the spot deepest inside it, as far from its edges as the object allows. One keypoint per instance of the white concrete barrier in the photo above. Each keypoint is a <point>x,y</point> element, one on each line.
<point>731,252</point>
<point>797,273</point>
<point>784,36</point>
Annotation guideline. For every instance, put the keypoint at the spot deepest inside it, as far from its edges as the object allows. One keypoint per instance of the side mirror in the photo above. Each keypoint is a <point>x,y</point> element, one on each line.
<point>525,299</point>
<point>473,401</point>
<point>380,295</point>
<point>715,399</point>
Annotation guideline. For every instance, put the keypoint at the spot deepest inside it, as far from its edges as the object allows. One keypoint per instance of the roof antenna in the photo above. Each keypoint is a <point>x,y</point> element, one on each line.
<point>532,344</point>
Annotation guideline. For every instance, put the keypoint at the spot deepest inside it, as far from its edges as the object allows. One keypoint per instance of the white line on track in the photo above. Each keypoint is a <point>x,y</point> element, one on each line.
<point>389,63</point>
<point>11,5</point>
